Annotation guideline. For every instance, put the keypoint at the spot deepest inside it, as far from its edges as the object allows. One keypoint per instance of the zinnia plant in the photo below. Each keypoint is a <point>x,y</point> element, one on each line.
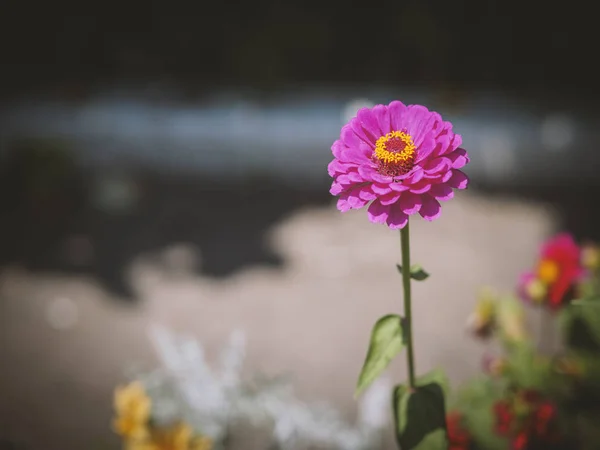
<point>401,160</point>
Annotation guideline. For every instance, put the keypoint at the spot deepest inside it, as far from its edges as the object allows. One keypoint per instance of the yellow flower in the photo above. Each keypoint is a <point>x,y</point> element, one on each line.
<point>177,437</point>
<point>511,320</point>
<point>132,407</point>
<point>590,257</point>
<point>201,443</point>
<point>482,319</point>
<point>537,290</point>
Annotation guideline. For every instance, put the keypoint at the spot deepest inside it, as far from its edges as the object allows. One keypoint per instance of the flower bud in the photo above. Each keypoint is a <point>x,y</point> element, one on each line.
<point>590,257</point>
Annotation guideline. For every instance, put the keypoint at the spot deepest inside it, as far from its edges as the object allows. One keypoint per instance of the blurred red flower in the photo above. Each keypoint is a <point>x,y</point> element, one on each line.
<point>458,436</point>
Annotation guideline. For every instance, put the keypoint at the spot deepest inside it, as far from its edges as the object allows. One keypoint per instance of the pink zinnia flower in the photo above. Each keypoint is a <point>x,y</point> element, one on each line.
<point>558,270</point>
<point>400,159</point>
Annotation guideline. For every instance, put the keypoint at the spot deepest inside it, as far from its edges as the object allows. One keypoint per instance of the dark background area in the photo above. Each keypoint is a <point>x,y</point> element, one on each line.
<point>529,47</point>
<point>69,50</point>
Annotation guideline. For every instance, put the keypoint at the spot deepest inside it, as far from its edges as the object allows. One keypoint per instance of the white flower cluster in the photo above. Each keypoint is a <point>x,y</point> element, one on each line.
<point>217,401</point>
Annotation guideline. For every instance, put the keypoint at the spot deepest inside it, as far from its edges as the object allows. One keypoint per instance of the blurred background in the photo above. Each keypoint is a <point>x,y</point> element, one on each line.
<point>165,163</point>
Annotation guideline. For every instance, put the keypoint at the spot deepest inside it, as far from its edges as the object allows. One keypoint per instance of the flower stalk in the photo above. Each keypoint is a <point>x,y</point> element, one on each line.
<point>410,359</point>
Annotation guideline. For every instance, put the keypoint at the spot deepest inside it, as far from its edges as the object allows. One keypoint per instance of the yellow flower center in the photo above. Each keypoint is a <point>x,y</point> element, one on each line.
<point>395,153</point>
<point>548,271</point>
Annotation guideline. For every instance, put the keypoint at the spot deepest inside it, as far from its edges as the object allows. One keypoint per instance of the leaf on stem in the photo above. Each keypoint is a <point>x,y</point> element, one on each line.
<point>581,324</point>
<point>387,339</point>
<point>417,273</point>
<point>420,414</point>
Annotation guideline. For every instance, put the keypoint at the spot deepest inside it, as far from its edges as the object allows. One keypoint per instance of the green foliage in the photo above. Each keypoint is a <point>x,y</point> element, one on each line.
<point>475,400</point>
<point>417,273</point>
<point>582,322</point>
<point>420,413</point>
<point>526,368</point>
<point>387,340</point>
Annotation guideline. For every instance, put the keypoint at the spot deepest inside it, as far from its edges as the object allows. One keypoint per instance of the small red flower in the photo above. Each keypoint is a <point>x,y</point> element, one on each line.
<point>504,417</point>
<point>543,418</point>
<point>458,436</point>
<point>520,442</point>
<point>556,274</point>
<point>525,417</point>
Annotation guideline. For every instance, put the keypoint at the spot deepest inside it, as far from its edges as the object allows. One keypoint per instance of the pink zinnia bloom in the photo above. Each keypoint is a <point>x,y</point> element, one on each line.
<point>558,270</point>
<point>401,159</point>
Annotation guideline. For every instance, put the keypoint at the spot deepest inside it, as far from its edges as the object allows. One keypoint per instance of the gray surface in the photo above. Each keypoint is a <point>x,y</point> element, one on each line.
<point>311,320</point>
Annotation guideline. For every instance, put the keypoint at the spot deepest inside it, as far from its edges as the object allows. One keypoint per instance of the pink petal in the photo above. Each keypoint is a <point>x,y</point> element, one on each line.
<point>399,187</point>
<point>358,128</point>
<point>396,218</point>
<point>421,187</point>
<point>349,178</point>
<point>456,142</point>
<point>409,203</point>
<point>366,193</point>
<point>396,110</point>
<point>390,198</point>
<point>338,148</point>
<point>381,189</point>
<point>441,192</point>
<point>415,176</point>
<point>431,208</point>
<point>357,150</point>
<point>437,165</point>
<point>336,166</point>
<point>343,179</point>
<point>419,121</point>
<point>443,145</point>
<point>459,158</point>
<point>369,123</point>
<point>370,174</point>
<point>349,137</point>
<point>383,118</point>
<point>425,149</point>
<point>352,198</point>
<point>336,188</point>
<point>355,201</point>
<point>343,205</point>
<point>377,212</point>
<point>445,128</point>
<point>458,180</point>
<point>351,155</point>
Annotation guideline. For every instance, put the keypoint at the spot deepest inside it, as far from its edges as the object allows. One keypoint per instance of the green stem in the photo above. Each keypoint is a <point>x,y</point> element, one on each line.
<point>410,357</point>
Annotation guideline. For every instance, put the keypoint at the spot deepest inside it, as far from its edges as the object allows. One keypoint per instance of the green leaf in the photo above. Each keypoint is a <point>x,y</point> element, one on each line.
<point>480,421</point>
<point>416,272</point>
<point>387,339</point>
<point>590,313</point>
<point>435,376</point>
<point>420,414</point>
<point>580,323</point>
<point>586,302</point>
<point>527,368</point>
<point>433,441</point>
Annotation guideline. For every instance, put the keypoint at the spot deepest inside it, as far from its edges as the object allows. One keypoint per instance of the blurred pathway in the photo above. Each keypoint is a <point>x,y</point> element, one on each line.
<point>64,346</point>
